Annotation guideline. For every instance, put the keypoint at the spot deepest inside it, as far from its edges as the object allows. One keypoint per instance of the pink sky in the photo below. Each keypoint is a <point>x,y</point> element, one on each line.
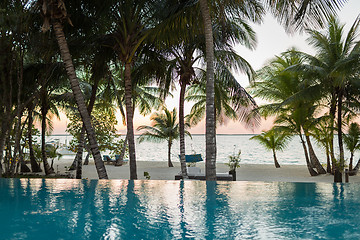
<point>272,40</point>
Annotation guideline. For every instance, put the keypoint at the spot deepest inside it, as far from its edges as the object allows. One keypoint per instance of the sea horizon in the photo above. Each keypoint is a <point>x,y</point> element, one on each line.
<point>227,144</point>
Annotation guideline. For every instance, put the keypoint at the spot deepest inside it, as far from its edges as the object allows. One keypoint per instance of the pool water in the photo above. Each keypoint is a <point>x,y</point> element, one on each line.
<point>122,209</point>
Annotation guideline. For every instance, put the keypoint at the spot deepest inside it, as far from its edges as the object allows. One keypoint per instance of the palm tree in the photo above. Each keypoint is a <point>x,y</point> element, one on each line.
<point>352,141</point>
<point>144,98</point>
<point>293,15</point>
<point>132,26</point>
<point>333,72</point>
<point>291,124</point>
<point>293,106</point>
<point>54,12</point>
<point>34,165</point>
<point>210,169</point>
<point>232,102</point>
<point>164,127</point>
<point>226,30</point>
<point>322,134</point>
<point>273,140</point>
<point>190,51</point>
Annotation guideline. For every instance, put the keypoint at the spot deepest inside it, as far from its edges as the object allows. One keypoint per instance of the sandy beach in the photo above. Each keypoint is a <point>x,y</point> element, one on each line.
<point>247,172</point>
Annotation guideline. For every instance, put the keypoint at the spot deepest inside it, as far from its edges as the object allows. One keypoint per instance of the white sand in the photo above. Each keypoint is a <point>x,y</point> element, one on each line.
<point>246,172</point>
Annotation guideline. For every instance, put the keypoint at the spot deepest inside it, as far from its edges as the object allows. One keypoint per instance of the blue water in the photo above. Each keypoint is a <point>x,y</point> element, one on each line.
<point>122,209</point>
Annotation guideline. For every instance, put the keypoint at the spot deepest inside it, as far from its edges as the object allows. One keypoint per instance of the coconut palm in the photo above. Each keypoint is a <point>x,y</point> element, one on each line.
<point>189,49</point>
<point>284,88</point>
<point>334,71</point>
<point>291,124</point>
<point>352,141</point>
<point>322,134</point>
<point>292,14</point>
<point>133,24</point>
<point>54,13</point>
<point>232,102</point>
<point>164,127</point>
<point>144,98</point>
<point>273,140</point>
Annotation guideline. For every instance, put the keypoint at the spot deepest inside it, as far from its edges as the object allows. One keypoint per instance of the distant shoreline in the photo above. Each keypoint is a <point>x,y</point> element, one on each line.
<point>195,134</point>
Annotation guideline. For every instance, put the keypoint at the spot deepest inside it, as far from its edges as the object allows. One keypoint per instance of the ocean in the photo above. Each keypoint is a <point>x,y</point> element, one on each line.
<point>251,151</point>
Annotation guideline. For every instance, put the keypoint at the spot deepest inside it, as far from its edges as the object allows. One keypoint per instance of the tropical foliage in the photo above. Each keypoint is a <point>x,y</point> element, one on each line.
<point>164,126</point>
<point>273,140</point>
<point>352,141</point>
<point>303,86</point>
<point>129,49</point>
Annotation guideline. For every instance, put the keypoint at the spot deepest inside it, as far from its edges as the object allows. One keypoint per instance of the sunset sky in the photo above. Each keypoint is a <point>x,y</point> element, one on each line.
<point>272,40</point>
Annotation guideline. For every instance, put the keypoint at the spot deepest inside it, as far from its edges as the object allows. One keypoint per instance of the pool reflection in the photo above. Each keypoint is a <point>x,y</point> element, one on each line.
<point>121,209</point>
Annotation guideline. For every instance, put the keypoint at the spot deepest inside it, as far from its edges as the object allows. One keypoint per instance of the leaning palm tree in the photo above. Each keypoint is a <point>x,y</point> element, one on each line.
<point>322,135</point>
<point>284,88</point>
<point>352,141</point>
<point>334,71</point>
<point>165,127</point>
<point>292,124</point>
<point>55,13</point>
<point>273,140</point>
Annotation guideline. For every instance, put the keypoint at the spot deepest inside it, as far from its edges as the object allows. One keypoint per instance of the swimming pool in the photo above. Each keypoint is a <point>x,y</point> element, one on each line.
<point>122,209</point>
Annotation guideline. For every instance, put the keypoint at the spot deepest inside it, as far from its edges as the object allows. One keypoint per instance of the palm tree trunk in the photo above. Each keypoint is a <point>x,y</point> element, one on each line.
<point>357,166</point>
<point>313,158</point>
<point>65,54</point>
<point>47,167</point>
<point>17,136</point>
<point>8,155</point>
<point>129,121</point>
<point>23,167</point>
<point>351,161</point>
<point>277,165</point>
<point>5,128</point>
<point>2,145</point>
<point>80,151</point>
<point>34,165</point>
<point>79,154</point>
<point>328,162</point>
<point>169,154</point>
<point>332,123</point>
<point>210,169</point>
<point>120,160</point>
<point>311,170</point>
<point>86,161</point>
<point>340,137</point>
<point>17,125</point>
<point>182,129</point>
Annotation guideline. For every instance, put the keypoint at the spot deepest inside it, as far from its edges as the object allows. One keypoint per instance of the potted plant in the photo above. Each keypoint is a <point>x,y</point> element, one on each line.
<point>234,162</point>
